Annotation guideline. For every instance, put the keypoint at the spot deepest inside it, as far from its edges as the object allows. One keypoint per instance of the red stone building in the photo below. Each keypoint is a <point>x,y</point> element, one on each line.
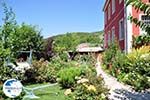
<point>117,26</point>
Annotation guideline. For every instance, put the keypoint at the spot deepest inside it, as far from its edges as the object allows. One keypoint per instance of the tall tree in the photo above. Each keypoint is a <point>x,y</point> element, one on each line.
<point>19,37</point>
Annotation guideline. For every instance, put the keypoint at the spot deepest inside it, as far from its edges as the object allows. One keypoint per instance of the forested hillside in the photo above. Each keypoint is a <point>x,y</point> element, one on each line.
<point>70,41</point>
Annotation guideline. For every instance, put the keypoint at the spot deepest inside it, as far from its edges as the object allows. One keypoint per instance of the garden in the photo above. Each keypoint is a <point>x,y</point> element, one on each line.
<point>75,79</point>
<point>131,68</point>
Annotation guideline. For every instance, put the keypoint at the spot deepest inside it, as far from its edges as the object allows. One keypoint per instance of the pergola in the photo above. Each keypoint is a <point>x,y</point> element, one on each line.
<point>85,50</point>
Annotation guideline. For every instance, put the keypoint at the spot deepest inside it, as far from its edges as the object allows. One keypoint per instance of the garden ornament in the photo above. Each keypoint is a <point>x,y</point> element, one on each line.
<point>20,65</point>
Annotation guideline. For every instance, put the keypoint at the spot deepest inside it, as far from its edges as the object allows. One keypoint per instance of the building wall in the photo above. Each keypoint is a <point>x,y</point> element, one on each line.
<point>120,13</point>
<point>114,22</point>
<point>136,30</point>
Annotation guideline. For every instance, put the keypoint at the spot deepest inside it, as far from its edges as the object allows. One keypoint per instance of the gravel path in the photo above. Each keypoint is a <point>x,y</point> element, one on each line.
<point>120,91</point>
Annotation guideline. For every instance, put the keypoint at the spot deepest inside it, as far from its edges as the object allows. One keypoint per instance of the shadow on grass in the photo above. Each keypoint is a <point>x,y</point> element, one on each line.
<point>121,94</point>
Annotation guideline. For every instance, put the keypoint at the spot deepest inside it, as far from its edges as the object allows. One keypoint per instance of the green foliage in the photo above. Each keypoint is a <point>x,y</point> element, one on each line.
<point>4,52</point>
<point>13,38</point>
<point>8,73</point>
<point>25,38</point>
<point>141,40</point>
<point>114,60</point>
<point>132,69</point>
<point>110,53</point>
<point>119,63</point>
<point>139,5</point>
<point>69,41</point>
<point>67,76</point>
<point>18,37</point>
<point>41,72</point>
<point>93,89</point>
<point>8,27</point>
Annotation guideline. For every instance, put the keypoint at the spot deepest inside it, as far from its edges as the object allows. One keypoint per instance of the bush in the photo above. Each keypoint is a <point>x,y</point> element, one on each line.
<point>138,68</point>
<point>109,54</point>
<point>119,64</point>
<point>67,76</point>
<point>93,89</point>
<point>41,71</point>
<point>132,69</point>
<point>141,41</point>
<point>8,73</point>
<point>114,60</point>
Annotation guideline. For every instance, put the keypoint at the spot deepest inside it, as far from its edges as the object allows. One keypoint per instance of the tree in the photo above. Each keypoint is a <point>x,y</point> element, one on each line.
<point>15,37</point>
<point>25,38</point>
<point>19,37</point>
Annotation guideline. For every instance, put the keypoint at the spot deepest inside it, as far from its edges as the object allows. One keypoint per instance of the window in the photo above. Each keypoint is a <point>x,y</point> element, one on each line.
<point>145,19</point>
<point>120,1</point>
<point>105,16</point>
<point>121,30</point>
<point>109,39</point>
<point>113,6</point>
<point>113,34</point>
<point>109,11</point>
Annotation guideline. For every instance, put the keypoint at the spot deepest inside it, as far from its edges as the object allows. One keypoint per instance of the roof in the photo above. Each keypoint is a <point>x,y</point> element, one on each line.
<point>90,49</point>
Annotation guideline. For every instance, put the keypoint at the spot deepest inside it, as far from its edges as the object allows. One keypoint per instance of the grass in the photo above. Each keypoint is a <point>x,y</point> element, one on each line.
<point>49,93</point>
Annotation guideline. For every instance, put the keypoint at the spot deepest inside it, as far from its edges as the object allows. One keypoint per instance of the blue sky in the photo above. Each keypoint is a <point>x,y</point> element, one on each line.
<point>60,16</point>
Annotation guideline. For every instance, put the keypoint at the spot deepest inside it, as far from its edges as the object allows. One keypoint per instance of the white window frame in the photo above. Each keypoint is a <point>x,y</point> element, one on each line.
<point>113,34</point>
<point>121,33</point>
<point>109,12</point>
<point>113,6</point>
<point>140,18</point>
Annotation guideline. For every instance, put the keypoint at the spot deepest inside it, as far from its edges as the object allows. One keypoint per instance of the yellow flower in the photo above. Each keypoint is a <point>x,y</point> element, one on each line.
<point>91,88</point>
<point>85,85</point>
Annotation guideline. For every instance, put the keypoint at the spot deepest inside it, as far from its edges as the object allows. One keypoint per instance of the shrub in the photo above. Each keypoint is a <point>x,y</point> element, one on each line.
<point>141,41</point>
<point>119,64</point>
<point>7,73</point>
<point>109,54</point>
<point>94,89</point>
<point>67,76</point>
<point>132,69</point>
<point>41,71</point>
<point>114,60</point>
<point>137,72</point>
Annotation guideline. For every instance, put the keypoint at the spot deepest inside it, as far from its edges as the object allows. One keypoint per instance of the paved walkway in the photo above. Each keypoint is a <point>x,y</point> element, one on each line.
<point>120,91</point>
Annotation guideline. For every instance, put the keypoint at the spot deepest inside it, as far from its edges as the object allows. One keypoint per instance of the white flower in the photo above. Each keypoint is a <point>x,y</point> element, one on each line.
<point>67,92</point>
<point>83,80</point>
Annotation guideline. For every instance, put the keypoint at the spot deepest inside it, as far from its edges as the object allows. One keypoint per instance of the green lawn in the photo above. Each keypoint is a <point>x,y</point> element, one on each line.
<point>50,93</point>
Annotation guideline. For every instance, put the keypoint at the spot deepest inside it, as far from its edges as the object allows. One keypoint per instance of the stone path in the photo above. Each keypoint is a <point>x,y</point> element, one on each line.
<point>120,91</point>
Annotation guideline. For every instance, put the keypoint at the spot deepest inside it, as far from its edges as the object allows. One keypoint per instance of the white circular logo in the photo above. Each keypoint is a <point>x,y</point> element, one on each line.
<point>12,88</point>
